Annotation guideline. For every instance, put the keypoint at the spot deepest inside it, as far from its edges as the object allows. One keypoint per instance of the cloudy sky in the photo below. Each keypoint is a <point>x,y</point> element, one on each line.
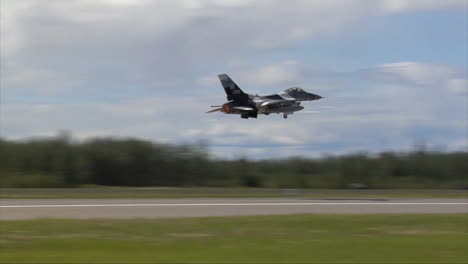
<point>393,72</point>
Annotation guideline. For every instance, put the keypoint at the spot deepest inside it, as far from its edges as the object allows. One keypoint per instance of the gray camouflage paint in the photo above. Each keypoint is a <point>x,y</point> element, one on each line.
<point>249,105</point>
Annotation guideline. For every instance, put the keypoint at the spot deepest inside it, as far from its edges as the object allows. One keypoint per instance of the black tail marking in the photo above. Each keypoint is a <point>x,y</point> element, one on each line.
<point>233,91</point>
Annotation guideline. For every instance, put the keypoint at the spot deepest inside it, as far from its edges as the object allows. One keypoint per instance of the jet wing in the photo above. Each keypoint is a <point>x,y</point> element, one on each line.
<point>277,102</point>
<point>243,108</point>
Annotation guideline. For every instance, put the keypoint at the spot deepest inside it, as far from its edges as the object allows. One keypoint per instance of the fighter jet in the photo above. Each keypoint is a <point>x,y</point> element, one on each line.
<point>249,105</point>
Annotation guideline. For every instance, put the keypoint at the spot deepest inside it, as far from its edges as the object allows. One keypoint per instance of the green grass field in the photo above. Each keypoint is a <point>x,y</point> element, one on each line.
<point>200,192</point>
<point>409,238</point>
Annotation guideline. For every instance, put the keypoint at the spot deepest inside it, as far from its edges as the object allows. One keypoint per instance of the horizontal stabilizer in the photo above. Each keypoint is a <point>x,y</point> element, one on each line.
<point>214,110</point>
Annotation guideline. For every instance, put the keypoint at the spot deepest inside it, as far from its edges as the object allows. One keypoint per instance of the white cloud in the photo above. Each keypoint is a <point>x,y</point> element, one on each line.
<point>211,3</point>
<point>158,42</point>
<point>276,74</point>
<point>419,73</point>
<point>283,73</point>
<point>394,6</point>
<point>458,86</point>
<point>37,80</point>
<point>209,80</point>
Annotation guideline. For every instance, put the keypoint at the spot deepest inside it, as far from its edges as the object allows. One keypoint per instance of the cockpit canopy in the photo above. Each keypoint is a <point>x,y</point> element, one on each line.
<point>294,89</point>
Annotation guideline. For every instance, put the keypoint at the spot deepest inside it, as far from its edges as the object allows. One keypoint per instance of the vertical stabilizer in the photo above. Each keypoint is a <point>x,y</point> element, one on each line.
<point>233,91</point>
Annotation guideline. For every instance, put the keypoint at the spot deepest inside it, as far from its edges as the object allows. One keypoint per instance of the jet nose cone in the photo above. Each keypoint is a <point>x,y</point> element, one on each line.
<point>315,96</point>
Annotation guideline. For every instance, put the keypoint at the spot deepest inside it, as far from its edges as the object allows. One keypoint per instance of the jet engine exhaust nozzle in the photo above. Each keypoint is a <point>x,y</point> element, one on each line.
<point>226,109</point>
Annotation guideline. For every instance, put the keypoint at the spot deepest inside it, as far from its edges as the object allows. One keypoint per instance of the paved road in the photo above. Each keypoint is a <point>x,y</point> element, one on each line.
<point>154,208</point>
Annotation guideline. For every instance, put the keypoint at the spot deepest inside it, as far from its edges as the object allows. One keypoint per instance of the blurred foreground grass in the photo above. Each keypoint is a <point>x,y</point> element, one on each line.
<point>253,239</point>
<point>199,192</point>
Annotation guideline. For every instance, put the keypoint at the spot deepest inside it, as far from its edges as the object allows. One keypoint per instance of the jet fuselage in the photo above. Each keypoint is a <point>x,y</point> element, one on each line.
<point>248,105</point>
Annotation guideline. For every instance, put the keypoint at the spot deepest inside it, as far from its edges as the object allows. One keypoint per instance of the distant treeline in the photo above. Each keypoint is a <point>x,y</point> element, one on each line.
<point>60,162</point>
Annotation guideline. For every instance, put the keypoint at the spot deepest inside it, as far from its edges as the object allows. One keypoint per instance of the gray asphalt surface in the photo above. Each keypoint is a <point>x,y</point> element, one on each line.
<point>156,208</point>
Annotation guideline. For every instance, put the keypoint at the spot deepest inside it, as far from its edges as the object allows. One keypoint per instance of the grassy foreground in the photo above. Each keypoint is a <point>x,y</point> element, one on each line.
<point>200,192</point>
<point>260,239</point>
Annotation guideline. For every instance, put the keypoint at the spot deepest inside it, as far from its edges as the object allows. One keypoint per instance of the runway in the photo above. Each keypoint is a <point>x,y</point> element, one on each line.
<point>156,208</point>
